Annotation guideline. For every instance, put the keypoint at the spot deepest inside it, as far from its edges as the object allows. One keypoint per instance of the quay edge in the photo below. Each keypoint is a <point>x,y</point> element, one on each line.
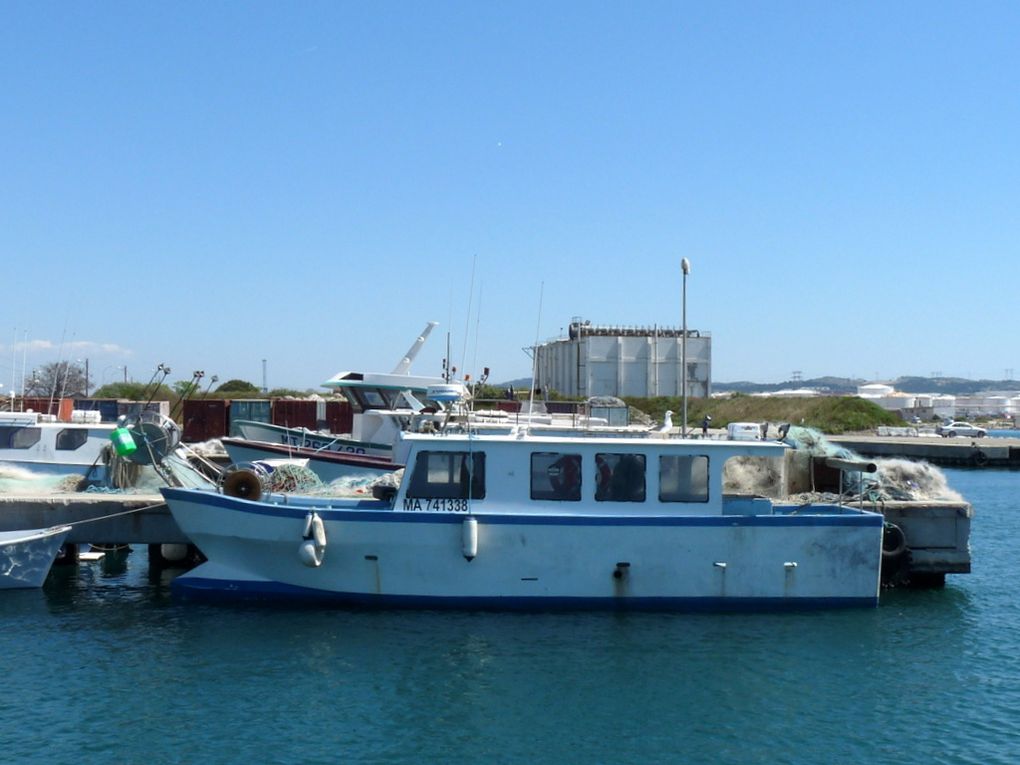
<point>937,535</point>
<point>945,452</point>
<point>150,523</point>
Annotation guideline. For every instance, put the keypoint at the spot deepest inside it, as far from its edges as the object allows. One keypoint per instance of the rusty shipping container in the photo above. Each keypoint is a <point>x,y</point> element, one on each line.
<point>205,419</point>
<point>339,417</point>
<point>292,413</point>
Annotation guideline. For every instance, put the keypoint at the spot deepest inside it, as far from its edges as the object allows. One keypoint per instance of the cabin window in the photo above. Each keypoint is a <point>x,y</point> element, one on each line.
<point>556,476</point>
<point>19,438</point>
<point>70,439</point>
<point>373,399</point>
<point>683,479</point>
<point>447,475</point>
<point>620,477</point>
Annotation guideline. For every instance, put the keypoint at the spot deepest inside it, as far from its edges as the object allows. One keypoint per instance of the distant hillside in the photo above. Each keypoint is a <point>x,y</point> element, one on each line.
<point>957,386</point>
<point>829,414</point>
<point>833,385</point>
<point>519,383</point>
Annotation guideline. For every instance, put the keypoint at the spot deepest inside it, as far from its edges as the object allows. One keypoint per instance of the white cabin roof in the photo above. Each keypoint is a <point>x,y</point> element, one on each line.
<point>461,441</point>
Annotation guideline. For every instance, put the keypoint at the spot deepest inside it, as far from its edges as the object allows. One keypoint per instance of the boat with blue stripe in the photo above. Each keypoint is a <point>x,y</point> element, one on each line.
<point>520,521</point>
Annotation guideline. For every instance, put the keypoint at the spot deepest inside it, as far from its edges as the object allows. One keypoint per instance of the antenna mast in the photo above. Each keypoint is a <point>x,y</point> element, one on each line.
<point>534,355</point>
<point>403,367</point>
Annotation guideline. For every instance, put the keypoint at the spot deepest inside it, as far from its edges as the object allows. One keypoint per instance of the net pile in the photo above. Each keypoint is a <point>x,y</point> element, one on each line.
<point>293,479</point>
<point>895,479</point>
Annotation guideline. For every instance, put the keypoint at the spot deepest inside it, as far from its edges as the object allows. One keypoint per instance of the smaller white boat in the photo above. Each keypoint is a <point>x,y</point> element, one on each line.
<point>46,446</point>
<point>308,439</point>
<point>328,465</point>
<point>27,555</point>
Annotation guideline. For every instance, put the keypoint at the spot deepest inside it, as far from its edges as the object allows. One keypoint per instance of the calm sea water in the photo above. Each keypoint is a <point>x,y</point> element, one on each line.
<point>1004,433</point>
<point>105,663</point>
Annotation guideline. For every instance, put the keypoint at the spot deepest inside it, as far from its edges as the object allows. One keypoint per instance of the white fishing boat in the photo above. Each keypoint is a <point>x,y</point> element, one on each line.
<point>303,438</point>
<point>387,404</point>
<point>532,522</point>
<point>27,555</point>
<point>46,446</point>
<point>396,393</point>
<point>327,465</point>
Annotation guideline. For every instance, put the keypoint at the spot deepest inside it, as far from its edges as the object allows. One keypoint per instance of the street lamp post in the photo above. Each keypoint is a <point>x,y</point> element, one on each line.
<point>685,266</point>
<point>106,372</point>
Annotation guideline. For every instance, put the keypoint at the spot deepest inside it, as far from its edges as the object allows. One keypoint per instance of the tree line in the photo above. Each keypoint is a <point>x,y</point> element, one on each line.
<point>65,379</point>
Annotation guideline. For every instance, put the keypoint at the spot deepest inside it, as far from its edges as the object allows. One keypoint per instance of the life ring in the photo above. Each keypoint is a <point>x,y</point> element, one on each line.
<point>979,458</point>
<point>565,474</point>
<point>244,484</point>
<point>894,541</point>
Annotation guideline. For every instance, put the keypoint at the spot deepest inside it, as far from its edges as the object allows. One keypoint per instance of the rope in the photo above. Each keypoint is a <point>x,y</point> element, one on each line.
<point>115,515</point>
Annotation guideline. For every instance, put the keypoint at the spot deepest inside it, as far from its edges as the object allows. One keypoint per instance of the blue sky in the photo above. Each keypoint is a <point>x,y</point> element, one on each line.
<point>208,185</point>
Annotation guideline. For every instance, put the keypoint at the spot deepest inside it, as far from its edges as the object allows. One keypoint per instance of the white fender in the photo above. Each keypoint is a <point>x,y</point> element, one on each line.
<point>469,538</point>
<point>173,552</point>
<point>318,530</point>
<point>313,548</point>
<point>310,554</point>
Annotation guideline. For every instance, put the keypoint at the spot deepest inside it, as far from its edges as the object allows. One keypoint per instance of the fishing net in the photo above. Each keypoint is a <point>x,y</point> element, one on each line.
<point>757,476</point>
<point>292,479</point>
<point>21,481</point>
<point>361,486</point>
<point>903,479</point>
<point>895,479</point>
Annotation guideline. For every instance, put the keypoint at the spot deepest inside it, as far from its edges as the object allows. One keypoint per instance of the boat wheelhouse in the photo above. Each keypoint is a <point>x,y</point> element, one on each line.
<point>522,521</point>
<point>43,445</point>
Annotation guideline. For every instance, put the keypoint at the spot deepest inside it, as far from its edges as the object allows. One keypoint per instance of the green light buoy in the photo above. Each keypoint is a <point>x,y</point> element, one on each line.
<point>123,442</point>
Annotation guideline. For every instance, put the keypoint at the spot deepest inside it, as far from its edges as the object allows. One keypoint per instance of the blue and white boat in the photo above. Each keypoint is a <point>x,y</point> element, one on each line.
<point>535,522</point>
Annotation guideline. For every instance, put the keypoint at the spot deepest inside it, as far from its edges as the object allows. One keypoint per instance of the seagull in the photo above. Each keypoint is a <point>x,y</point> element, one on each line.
<point>667,422</point>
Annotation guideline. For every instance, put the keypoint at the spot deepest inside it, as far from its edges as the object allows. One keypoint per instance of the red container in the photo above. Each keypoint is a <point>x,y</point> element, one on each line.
<point>296,414</point>
<point>339,417</point>
<point>205,419</point>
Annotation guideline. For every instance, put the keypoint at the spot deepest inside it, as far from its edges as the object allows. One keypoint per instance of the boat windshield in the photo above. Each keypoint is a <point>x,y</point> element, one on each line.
<point>447,475</point>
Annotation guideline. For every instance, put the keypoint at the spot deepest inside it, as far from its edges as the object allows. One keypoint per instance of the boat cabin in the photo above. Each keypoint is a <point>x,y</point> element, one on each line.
<point>30,439</point>
<point>636,476</point>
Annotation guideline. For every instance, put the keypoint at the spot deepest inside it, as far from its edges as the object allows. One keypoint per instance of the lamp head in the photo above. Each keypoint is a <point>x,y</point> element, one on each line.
<point>685,266</point>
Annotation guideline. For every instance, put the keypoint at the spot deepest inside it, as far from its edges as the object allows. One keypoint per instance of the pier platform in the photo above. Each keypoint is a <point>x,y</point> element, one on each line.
<point>95,518</point>
<point>946,452</point>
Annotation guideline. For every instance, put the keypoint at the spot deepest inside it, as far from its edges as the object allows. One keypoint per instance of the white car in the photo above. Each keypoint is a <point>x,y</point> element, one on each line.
<point>954,429</point>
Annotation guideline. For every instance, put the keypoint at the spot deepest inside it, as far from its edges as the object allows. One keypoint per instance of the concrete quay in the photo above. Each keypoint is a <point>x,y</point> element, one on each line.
<point>947,452</point>
<point>95,518</point>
